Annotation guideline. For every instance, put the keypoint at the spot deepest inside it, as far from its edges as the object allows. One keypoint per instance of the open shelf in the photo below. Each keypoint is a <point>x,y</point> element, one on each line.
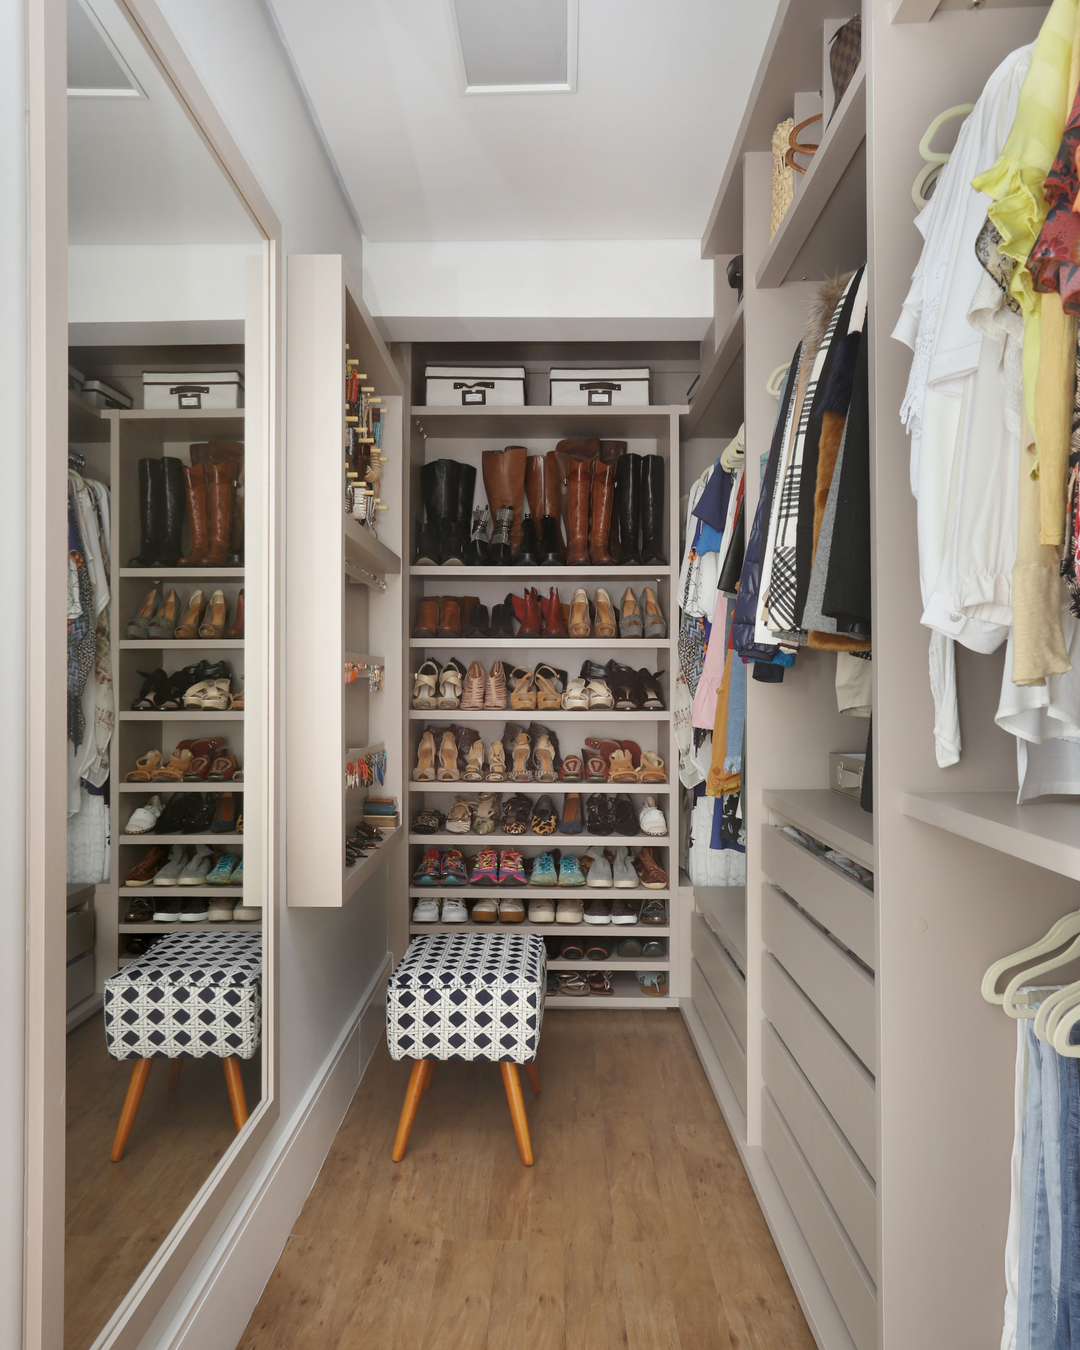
<point>187,573</point>
<point>355,876</point>
<point>718,400</point>
<point>219,840</point>
<point>182,644</point>
<point>129,893</point>
<point>1046,833</point>
<point>527,892</point>
<point>515,575</point>
<point>533,714</point>
<point>537,643</point>
<point>612,963</point>
<point>164,789</point>
<point>154,926</point>
<point>597,930</point>
<point>542,841</point>
<point>85,423</point>
<point>627,423</point>
<point>829,816</point>
<point>181,715</point>
<point>507,788</point>
<point>627,991</point>
<point>364,550</point>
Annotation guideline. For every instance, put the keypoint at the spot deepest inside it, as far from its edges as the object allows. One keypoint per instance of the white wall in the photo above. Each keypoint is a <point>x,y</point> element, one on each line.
<point>157,283</point>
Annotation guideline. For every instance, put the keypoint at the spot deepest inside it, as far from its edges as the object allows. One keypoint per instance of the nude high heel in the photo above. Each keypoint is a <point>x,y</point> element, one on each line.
<point>425,760</point>
<point>579,625</point>
<point>605,614</point>
<point>496,763</point>
<point>213,624</point>
<point>188,627</point>
<point>630,621</point>
<point>448,758</point>
<point>655,623</point>
<point>495,688</point>
<point>139,626</point>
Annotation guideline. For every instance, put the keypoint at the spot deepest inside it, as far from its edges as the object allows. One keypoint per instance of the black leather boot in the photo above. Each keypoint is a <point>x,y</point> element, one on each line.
<point>447,481</point>
<point>170,544</point>
<point>528,555</point>
<point>466,486</point>
<point>478,624</point>
<point>500,538</point>
<point>652,509</point>
<point>628,507</point>
<point>151,512</point>
<point>427,543</point>
<point>549,543</point>
<point>477,551</point>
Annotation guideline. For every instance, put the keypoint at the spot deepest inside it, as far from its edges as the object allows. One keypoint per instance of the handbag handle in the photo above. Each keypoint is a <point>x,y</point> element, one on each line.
<point>794,148</point>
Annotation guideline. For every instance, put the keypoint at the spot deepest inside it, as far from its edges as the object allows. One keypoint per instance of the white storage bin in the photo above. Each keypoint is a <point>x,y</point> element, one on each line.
<point>216,389</point>
<point>100,395</point>
<point>475,386</point>
<point>599,388</point>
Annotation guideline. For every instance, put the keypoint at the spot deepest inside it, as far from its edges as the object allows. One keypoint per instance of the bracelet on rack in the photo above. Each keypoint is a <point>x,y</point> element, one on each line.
<point>366,769</point>
<point>372,670</point>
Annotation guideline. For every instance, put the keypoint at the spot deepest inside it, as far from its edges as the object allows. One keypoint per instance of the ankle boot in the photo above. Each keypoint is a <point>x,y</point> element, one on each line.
<point>553,499</point>
<point>171,539</point>
<point>198,519</point>
<point>550,554</point>
<point>151,512</point>
<point>478,624</point>
<point>504,483</point>
<point>237,629</point>
<point>652,509</point>
<point>502,619</point>
<point>579,492</point>
<point>528,614</point>
<point>603,497</point>
<point>554,619</point>
<point>219,509</point>
<point>528,555</point>
<point>500,538</point>
<point>427,545</point>
<point>478,554</point>
<point>628,498</point>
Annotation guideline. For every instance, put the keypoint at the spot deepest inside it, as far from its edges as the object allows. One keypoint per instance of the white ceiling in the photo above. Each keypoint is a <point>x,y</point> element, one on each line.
<point>636,153</point>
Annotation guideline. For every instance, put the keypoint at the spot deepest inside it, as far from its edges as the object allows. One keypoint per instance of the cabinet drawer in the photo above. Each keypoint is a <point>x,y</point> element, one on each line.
<point>724,980</point>
<point>845,1181</point>
<point>835,983</point>
<point>80,932</point>
<point>853,1291</point>
<point>724,908</point>
<point>80,980</point>
<point>842,906</point>
<point>835,1074</point>
<point>718,1029</point>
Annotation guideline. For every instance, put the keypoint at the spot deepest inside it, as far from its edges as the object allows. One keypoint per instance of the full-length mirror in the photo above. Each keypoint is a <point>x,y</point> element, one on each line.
<point>166,688</point>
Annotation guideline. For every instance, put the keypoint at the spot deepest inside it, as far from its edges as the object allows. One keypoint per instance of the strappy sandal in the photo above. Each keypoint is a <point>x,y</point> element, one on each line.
<point>155,691</point>
<point>496,763</point>
<point>484,814</point>
<point>174,771</point>
<point>649,686</point>
<point>203,754</point>
<point>425,685</point>
<point>217,698</point>
<point>495,687</point>
<point>459,817</point>
<point>600,982</point>
<point>450,684</point>
<point>522,693</point>
<point>548,697</point>
<point>576,697</point>
<point>626,687</point>
<point>600,696</point>
<point>474,765</point>
<point>425,760</point>
<point>545,761</point>
<point>238,701</point>
<point>472,699</point>
<point>448,758</point>
<point>653,982</point>
<point>522,751</point>
<point>572,983</point>
<point>223,769</point>
<point>651,769</point>
<point>595,768</point>
<point>570,770</point>
<point>144,767</point>
<point>621,767</point>
<point>605,747</point>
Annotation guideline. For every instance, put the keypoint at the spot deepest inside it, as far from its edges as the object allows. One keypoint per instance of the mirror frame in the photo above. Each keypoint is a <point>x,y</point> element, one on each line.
<point>45,766</point>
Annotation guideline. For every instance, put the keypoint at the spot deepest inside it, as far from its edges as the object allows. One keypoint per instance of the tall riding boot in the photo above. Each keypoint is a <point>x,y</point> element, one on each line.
<point>628,497</point>
<point>550,553</point>
<point>151,512</point>
<point>219,496</point>
<point>603,497</point>
<point>652,509</point>
<point>564,452</point>
<point>528,555</point>
<point>198,519</point>
<point>447,487</point>
<point>553,498</point>
<point>171,539</point>
<point>504,482</point>
<point>610,453</point>
<point>534,486</point>
<point>579,493</point>
<point>427,541</point>
<point>236,544</point>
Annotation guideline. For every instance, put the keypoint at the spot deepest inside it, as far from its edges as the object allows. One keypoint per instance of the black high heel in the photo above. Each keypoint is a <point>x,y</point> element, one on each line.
<point>648,686</point>
<point>154,692</point>
<point>625,686</point>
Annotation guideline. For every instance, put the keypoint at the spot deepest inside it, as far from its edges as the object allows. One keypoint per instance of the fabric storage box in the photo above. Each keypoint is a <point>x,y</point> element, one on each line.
<point>100,395</point>
<point>846,774</point>
<point>216,389</point>
<point>475,386</point>
<point>599,388</point>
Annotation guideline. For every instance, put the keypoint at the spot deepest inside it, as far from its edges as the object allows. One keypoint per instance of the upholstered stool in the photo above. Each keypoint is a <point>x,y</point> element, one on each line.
<point>468,996</point>
<point>190,995</point>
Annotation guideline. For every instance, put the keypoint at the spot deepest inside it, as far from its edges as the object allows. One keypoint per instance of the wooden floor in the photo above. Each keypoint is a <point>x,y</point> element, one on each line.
<point>635,1228</point>
<point>118,1214</point>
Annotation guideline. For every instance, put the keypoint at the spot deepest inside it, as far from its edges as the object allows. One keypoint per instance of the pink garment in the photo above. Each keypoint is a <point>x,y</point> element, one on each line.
<point>712,672</point>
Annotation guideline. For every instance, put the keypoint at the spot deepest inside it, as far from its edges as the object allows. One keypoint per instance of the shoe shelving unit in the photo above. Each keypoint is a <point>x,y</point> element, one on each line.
<point>463,434</point>
<point>344,587</point>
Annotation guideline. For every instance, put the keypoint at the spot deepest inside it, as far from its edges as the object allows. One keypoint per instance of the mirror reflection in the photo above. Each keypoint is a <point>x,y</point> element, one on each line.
<point>164,939</point>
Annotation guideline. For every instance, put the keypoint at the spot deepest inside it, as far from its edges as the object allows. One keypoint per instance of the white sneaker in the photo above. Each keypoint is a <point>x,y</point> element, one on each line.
<point>652,818</point>
<point>195,873</point>
<point>247,913</point>
<point>623,872</point>
<point>426,910</point>
<point>600,871</point>
<point>542,911</point>
<point>170,873</point>
<point>221,909</point>
<point>454,911</point>
<point>570,911</point>
<point>144,818</point>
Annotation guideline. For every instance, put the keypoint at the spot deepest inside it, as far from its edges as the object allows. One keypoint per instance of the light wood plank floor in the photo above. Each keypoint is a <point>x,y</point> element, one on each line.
<point>636,1229</point>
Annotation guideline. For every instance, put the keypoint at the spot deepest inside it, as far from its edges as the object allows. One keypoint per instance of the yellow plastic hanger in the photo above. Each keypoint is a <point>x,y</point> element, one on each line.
<point>934,158</point>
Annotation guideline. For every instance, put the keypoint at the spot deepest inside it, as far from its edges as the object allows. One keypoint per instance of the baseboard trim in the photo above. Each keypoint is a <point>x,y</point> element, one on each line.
<point>218,1307</point>
<point>819,1308</point>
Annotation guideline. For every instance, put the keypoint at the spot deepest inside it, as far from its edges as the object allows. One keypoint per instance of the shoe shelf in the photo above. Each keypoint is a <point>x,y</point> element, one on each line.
<point>186,573</point>
<point>612,962</point>
<point>152,927</point>
<point>627,992</point>
<point>522,576</point>
<point>544,422</point>
<point>543,841</point>
<point>232,840</point>
<point>580,715</point>
<point>204,785</point>
<point>561,788</point>
<point>546,644</point>
<point>527,891</point>
<point>181,715</point>
<point>597,930</point>
<point>129,893</point>
<point>182,644</point>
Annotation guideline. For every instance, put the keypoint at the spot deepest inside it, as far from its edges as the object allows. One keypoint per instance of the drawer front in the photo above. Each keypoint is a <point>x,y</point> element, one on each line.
<point>855,1295</point>
<point>835,1074</point>
<point>724,980</point>
<point>837,985</point>
<point>724,908</point>
<point>848,1185</point>
<point>80,980</point>
<point>842,906</point>
<point>80,932</point>
<point>718,1028</point>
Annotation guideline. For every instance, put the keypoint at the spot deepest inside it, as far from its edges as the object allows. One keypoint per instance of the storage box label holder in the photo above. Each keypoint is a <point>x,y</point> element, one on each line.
<point>475,392</point>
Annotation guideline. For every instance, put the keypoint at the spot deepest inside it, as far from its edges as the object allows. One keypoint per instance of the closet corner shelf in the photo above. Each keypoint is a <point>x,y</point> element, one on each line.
<point>627,423</point>
<point>627,992</point>
<point>1046,833</point>
<point>180,715</point>
<point>573,576</point>
<point>715,404</point>
<point>817,189</point>
<point>550,645</point>
<point>365,551</point>
<point>509,715</point>
<point>828,816</point>
<point>354,877</point>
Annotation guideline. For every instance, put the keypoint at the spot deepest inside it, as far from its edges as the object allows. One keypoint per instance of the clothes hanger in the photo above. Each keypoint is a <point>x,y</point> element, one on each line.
<point>928,174</point>
<point>1066,928</point>
<point>1060,1038</point>
<point>1029,976</point>
<point>734,453</point>
<point>774,385</point>
<point>1052,1009</point>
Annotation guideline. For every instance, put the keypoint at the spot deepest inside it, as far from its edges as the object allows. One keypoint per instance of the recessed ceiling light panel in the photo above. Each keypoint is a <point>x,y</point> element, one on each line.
<point>516,46</point>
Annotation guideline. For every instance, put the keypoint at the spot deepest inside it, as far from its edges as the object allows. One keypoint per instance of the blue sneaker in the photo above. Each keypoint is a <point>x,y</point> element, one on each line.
<point>543,871</point>
<point>570,873</point>
<point>223,870</point>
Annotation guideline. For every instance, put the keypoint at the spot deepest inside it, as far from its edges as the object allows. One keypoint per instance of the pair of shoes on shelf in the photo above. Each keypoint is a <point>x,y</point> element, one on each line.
<point>185,813</point>
<point>447,869</point>
<point>200,618</point>
<point>440,616</point>
<point>440,909</point>
<point>641,618</point>
<point>211,488</point>
<point>637,618</point>
<point>202,685</point>
<point>537,617</point>
<point>539,690</point>
<point>175,867</point>
<point>602,949</point>
<point>470,815</point>
<point>446,489</point>
<point>436,686</point>
<point>614,685</point>
<point>615,813</point>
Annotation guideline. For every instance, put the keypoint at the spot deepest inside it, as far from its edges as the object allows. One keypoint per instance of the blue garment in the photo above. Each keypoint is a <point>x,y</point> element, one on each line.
<point>1040,1205</point>
<point>1067,1330</point>
<point>708,540</point>
<point>712,505</point>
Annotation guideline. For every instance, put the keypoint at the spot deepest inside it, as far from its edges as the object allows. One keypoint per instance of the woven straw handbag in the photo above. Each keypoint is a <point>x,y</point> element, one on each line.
<point>783,176</point>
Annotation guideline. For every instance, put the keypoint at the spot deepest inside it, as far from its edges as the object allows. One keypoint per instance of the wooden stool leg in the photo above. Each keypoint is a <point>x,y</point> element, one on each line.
<point>174,1073</point>
<point>408,1111</point>
<point>235,1084</point>
<point>534,1077</point>
<point>429,1077</point>
<point>512,1083</point>
<point>139,1075</point>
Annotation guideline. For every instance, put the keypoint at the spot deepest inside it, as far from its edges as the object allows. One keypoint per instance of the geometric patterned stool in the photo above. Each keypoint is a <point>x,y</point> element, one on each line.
<point>468,996</point>
<point>190,995</point>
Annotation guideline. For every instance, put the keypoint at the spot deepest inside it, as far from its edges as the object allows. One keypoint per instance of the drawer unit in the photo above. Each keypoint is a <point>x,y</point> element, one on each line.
<point>839,904</point>
<point>80,979</point>
<point>724,908</point>
<point>851,1287</point>
<point>837,985</point>
<point>80,932</point>
<point>836,1075</point>
<point>724,980</point>
<point>847,1184</point>
<point>718,1029</point>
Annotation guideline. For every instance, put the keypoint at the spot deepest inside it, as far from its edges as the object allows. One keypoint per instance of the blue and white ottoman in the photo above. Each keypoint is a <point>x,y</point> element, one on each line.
<point>190,995</point>
<point>468,996</point>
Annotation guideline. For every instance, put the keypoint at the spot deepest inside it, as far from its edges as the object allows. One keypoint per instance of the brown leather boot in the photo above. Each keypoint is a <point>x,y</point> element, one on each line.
<point>534,487</point>
<point>553,498</point>
<point>610,452</point>
<point>220,511</point>
<point>603,498</point>
<point>579,494</point>
<point>504,483</point>
<point>237,629</point>
<point>564,452</point>
<point>198,521</point>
